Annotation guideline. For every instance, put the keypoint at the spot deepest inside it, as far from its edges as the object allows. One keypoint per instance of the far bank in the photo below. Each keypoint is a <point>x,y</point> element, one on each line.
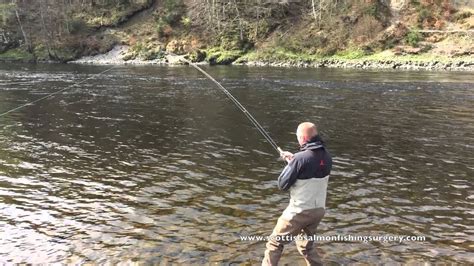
<point>281,58</point>
<point>356,59</point>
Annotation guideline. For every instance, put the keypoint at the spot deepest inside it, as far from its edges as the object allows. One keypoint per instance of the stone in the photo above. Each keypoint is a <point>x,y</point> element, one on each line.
<point>178,47</point>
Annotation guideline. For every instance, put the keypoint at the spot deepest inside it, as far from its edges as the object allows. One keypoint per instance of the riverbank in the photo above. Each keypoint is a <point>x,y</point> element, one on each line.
<point>369,35</point>
<point>368,63</point>
<point>386,60</point>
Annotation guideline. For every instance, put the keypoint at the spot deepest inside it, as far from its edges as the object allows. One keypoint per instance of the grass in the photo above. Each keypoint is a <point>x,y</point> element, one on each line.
<point>221,56</point>
<point>40,54</point>
<point>277,54</point>
<point>422,58</point>
<point>349,54</point>
<point>109,14</point>
<point>16,54</point>
<point>282,55</point>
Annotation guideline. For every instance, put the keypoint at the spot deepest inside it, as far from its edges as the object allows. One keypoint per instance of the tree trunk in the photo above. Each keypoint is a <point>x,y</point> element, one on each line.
<point>47,39</point>
<point>27,43</point>
<point>320,11</point>
<point>314,10</point>
<point>240,21</point>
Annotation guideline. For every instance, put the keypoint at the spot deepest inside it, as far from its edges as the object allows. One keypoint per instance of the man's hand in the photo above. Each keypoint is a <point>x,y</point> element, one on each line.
<point>286,155</point>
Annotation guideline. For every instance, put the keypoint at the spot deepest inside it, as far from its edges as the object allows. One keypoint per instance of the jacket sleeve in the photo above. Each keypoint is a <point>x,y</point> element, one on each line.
<point>289,175</point>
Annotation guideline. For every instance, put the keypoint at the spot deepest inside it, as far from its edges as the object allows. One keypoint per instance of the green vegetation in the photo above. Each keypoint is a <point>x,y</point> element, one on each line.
<point>224,32</point>
<point>197,56</point>
<point>145,52</point>
<point>170,15</point>
<point>350,54</point>
<point>277,55</point>
<point>186,21</point>
<point>17,55</point>
<point>222,57</point>
<point>77,26</point>
<point>108,13</point>
<point>413,38</point>
<point>353,56</point>
<point>419,58</point>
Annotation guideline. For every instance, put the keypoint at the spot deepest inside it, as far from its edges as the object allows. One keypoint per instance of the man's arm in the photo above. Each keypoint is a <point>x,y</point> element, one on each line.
<point>289,175</point>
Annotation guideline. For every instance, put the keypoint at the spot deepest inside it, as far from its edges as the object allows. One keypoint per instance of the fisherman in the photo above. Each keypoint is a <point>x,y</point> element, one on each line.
<point>306,177</point>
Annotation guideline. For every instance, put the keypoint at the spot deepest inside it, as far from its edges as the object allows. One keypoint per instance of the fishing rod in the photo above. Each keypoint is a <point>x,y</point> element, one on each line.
<point>54,93</point>
<point>244,110</point>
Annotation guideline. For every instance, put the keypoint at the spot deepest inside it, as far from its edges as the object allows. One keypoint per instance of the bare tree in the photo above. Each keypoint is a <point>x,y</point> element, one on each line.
<point>20,24</point>
<point>314,10</point>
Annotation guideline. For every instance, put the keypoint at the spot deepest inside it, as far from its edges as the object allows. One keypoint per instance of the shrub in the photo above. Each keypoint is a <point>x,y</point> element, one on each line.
<point>137,48</point>
<point>222,57</point>
<point>77,25</point>
<point>413,38</point>
<point>173,11</point>
<point>197,56</point>
<point>462,15</point>
<point>371,10</point>
<point>170,15</point>
<point>152,54</point>
<point>423,15</point>
<point>366,29</point>
<point>186,21</point>
<point>163,28</point>
<point>160,26</point>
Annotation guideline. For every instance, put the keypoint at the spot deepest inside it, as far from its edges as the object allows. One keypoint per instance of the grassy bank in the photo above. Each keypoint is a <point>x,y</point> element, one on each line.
<point>18,55</point>
<point>281,55</point>
<point>356,33</point>
<point>353,58</point>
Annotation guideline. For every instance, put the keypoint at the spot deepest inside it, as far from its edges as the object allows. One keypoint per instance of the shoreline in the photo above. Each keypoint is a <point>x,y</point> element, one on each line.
<point>115,57</point>
<point>370,64</point>
<point>253,59</point>
<point>325,63</point>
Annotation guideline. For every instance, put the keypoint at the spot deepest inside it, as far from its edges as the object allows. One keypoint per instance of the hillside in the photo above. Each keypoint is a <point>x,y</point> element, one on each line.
<point>253,32</point>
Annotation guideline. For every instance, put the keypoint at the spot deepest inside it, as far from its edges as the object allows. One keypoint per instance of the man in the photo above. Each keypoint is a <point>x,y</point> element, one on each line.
<point>306,177</point>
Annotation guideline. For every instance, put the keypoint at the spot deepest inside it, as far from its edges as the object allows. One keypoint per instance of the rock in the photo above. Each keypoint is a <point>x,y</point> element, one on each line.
<point>175,60</point>
<point>196,56</point>
<point>178,47</point>
<point>7,41</point>
<point>120,54</point>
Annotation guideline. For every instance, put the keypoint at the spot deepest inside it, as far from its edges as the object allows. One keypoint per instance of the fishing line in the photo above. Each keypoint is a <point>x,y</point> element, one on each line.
<point>249,116</point>
<point>56,92</point>
<point>236,103</point>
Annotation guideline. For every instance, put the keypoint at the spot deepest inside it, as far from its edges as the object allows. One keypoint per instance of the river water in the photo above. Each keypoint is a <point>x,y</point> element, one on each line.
<point>154,165</point>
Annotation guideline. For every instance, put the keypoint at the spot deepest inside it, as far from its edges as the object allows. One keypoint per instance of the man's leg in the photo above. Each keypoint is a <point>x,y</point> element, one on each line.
<point>284,230</point>
<point>305,246</point>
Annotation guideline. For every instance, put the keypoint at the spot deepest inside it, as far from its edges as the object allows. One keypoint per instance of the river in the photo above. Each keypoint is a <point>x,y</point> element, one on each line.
<point>153,164</point>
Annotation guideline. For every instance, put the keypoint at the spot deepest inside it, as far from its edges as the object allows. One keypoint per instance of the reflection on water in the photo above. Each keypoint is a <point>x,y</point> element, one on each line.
<point>153,164</point>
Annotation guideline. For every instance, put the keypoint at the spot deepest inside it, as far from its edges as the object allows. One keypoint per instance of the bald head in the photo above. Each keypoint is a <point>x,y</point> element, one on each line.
<point>305,132</point>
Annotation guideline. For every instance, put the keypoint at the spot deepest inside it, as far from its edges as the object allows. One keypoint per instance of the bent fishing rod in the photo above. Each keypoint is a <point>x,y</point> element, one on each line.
<point>244,110</point>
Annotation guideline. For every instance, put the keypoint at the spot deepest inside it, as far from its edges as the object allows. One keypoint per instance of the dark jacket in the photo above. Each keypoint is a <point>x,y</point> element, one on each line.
<point>312,161</point>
